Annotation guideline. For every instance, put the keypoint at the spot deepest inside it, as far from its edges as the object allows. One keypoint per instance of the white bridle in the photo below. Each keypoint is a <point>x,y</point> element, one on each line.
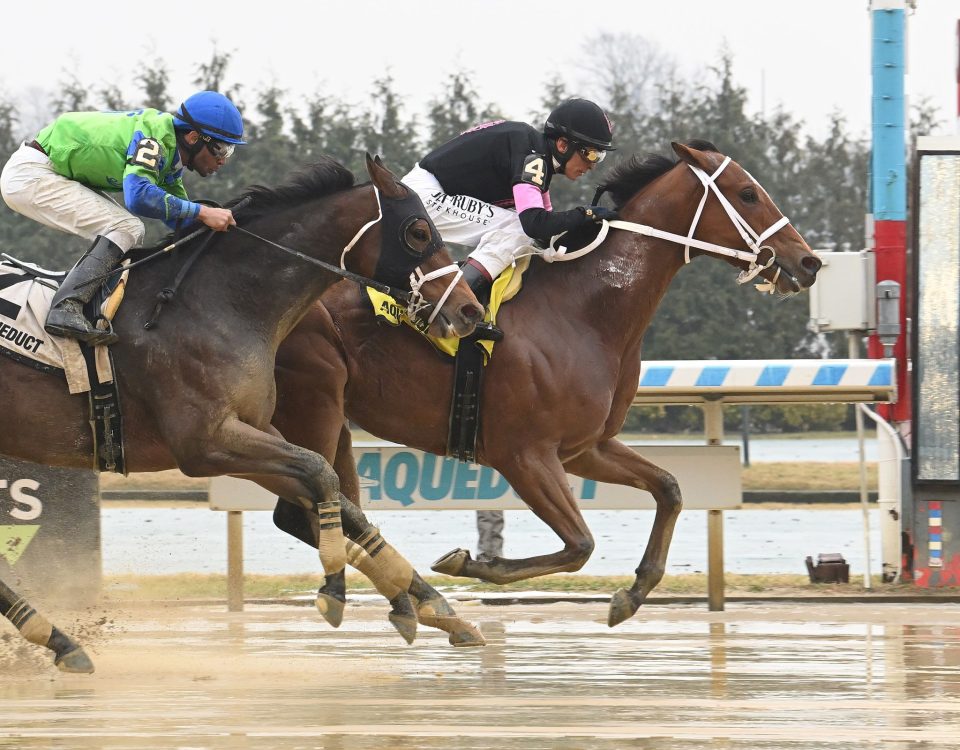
<point>417,279</point>
<point>753,239</point>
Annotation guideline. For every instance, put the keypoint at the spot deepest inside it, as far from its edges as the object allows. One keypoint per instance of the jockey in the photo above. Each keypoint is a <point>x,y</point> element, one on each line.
<point>488,188</point>
<point>60,179</point>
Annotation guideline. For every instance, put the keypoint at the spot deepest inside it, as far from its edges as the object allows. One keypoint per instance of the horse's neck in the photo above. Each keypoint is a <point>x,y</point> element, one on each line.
<point>619,286</point>
<point>272,287</point>
<point>630,273</point>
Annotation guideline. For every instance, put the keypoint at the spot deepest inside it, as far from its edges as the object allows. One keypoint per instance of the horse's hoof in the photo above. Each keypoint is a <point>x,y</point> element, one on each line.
<point>403,616</point>
<point>622,607</point>
<point>75,661</point>
<point>406,626</point>
<point>331,608</point>
<point>466,636</point>
<point>461,632</point>
<point>452,563</point>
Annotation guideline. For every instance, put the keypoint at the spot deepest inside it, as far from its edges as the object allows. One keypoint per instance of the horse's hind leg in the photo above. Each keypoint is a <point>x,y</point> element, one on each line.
<point>615,463</point>
<point>68,655</point>
<point>542,483</point>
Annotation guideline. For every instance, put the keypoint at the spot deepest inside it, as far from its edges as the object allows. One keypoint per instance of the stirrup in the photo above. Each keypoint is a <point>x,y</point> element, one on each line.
<point>73,324</point>
<point>486,331</point>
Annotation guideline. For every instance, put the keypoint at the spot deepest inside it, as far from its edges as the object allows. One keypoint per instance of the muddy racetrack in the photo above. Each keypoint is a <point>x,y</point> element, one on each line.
<point>777,676</point>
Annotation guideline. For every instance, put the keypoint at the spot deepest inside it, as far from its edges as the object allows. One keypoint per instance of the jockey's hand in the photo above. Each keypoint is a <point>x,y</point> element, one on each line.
<point>218,219</point>
<point>599,213</point>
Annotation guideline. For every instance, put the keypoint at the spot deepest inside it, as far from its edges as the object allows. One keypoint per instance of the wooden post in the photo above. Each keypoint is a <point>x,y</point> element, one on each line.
<point>715,583</point>
<point>713,429</point>
<point>235,560</point>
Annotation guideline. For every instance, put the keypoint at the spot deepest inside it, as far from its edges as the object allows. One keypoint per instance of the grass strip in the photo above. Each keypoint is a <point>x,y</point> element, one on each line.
<point>130,588</point>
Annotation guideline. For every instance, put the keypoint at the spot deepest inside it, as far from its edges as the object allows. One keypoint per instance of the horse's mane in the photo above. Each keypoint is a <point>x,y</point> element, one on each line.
<point>324,176</point>
<point>630,175</point>
<point>311,181</point>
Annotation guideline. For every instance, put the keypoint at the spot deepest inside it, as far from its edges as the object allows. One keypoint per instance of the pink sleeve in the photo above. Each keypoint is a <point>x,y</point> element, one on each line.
<point>527,196</point>
<point>547,204</point>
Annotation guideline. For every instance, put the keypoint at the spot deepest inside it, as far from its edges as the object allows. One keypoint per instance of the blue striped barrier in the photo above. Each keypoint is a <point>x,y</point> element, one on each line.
<point>784,380</point>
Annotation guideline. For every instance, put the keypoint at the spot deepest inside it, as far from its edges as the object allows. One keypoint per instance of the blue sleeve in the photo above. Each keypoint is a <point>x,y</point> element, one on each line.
<point>144,198</point>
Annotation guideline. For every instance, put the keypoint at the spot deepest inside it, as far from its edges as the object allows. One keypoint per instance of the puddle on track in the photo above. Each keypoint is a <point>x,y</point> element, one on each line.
<point>784,677</point>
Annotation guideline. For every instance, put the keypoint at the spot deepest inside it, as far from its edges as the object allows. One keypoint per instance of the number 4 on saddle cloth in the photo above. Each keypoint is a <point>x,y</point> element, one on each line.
<point>26,291</point>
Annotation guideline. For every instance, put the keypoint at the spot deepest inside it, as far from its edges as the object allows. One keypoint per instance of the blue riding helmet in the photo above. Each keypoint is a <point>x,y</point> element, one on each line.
<point>213,115</point>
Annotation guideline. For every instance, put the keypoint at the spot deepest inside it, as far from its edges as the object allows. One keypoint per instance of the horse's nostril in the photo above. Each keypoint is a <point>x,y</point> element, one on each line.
<point>811,264</point>
<point>472,312</point>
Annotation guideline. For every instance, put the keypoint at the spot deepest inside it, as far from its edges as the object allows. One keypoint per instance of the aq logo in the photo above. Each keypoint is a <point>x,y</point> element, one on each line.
<point>17,502</point>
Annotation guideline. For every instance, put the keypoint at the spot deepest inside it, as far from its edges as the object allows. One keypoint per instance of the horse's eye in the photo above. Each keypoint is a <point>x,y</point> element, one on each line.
<point>420,234</point>
<point>748,195</point>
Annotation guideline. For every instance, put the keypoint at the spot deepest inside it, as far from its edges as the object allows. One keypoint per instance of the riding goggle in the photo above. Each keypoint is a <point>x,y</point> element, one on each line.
<point>219,149</point>
<point>591,154</point>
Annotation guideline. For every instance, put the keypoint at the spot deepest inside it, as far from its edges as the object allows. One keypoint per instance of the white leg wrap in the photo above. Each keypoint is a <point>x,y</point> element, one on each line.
<point>330,540</point>
<point>357,557</point>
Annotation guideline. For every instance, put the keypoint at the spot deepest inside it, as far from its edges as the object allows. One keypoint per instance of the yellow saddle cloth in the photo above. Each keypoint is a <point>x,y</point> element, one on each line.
<point>504,289</point>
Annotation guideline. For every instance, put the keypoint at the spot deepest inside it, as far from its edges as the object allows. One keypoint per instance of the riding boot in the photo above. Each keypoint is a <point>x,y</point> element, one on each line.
<point>480,285</point>
<point>66,316</point>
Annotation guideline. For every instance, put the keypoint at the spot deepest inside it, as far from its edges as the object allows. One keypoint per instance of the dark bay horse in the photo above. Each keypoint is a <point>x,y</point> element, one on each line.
<point>198,391</point>
<point>558,387</point>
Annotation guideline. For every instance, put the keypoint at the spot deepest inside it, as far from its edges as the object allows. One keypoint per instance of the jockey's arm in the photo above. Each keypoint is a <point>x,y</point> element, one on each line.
<point>536,218</point>
<point>144,197</point>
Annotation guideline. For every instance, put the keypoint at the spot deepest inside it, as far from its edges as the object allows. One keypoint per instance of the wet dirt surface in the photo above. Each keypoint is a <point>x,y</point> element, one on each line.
<point>766,676</point>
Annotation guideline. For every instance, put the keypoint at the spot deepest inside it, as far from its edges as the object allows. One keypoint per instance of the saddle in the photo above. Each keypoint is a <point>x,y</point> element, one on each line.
<point>26,291</point>
<point>471,354</point>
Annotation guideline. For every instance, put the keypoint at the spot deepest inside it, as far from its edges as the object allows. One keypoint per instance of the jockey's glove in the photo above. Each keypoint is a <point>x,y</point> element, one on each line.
<point>598,213</point>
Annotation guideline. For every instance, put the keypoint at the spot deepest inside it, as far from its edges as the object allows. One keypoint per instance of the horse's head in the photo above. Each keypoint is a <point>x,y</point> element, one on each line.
<point>736,213</point>
<point>412,256</point>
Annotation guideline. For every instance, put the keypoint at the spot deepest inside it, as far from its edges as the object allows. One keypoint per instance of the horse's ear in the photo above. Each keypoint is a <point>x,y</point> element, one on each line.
<point>384,179</point>
<point>690,155</point>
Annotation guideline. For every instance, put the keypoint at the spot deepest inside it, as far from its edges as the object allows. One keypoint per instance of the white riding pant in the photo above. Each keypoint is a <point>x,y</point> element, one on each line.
<point>30,186</point>
<point>495,232</point>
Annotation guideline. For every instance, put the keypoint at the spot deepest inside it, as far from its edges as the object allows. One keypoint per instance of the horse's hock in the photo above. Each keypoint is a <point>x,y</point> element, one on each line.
<point>50,532</point>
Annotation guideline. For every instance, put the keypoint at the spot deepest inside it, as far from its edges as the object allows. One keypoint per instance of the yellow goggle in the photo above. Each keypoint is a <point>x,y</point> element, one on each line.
<point>591,154</point>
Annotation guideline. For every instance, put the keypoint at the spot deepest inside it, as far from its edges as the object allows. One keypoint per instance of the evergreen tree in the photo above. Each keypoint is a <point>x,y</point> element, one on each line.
<point>154,80</point>
<point>386,134</point>
<point>73,95</point>
<point>457,109</point>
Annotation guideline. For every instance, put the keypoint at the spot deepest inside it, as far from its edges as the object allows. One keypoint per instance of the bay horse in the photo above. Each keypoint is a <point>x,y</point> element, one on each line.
<point>557,388</point>
<point>198,390</point>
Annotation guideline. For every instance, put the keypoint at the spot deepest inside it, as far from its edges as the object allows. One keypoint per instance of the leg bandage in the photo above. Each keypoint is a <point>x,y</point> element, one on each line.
<point>330,540</point>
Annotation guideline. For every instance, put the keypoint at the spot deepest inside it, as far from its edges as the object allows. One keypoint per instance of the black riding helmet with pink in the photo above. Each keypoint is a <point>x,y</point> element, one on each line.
<point>585,125</point>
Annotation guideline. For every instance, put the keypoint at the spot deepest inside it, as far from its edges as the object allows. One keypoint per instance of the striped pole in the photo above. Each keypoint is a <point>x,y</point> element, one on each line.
<point>888,184</point>
<point>935,534</point>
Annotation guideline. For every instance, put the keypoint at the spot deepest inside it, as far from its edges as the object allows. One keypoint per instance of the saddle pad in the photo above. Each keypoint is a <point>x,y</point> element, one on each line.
<point>26,291</point>
<point>505,288</point>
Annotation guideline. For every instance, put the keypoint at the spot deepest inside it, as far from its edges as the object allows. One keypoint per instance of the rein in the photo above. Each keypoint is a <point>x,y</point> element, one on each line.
<point>753,240</point>
<point>414,298</point>
<point>397,294</point>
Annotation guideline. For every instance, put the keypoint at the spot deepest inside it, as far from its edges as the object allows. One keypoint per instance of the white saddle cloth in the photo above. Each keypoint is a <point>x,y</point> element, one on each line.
<point>24,302</point>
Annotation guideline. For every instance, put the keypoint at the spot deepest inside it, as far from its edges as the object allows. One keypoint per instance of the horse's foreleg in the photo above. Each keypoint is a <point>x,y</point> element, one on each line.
<point>616,463</point>
<point>433,610</point>
<point>542,483</point>
<point>392,575</point>
<point>284,469</point>
<point>68,655</point>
